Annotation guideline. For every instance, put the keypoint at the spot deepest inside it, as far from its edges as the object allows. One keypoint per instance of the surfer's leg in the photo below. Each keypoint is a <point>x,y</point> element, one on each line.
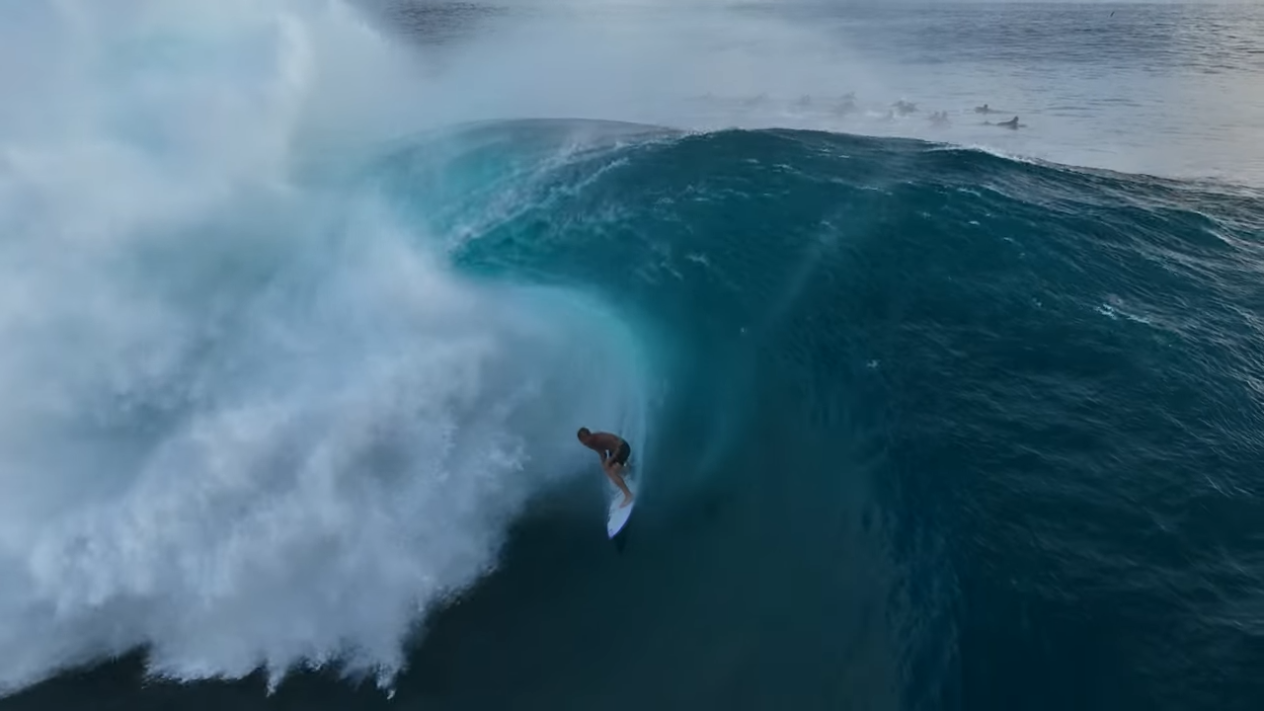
<point>615,472</point>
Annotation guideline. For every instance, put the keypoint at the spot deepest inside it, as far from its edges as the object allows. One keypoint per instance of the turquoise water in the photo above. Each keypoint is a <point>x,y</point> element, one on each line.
<point>300,330</point>
<point>937,420</point>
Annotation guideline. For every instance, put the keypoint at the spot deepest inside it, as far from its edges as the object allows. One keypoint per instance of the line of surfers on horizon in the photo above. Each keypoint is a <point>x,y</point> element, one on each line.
<point>900,108</point>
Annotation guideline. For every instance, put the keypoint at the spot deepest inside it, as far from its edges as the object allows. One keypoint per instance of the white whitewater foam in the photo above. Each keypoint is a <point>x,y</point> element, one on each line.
<point>245,422</point>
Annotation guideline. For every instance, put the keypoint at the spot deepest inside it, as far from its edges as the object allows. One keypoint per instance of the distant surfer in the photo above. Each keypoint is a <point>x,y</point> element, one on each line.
<point>984,109</point>
<point>1012,123</point>
<point>614,452</point>
<point>847,104</point>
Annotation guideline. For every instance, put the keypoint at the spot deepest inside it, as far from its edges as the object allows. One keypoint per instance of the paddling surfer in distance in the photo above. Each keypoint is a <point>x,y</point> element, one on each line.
<point>614,452</point>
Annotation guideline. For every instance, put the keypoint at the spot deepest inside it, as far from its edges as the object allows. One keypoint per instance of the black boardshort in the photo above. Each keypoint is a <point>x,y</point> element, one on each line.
<point>621,456</point>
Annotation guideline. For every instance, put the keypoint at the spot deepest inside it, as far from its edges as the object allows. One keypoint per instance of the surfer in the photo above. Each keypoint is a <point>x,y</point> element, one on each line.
<point>1012,123</point>
<point>614,452</point>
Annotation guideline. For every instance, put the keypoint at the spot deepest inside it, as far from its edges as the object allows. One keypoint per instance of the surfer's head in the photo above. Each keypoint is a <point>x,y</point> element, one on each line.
<point>583,434</point>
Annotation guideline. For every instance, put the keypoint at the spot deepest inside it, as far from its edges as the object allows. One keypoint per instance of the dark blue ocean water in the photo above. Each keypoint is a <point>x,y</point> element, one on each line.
<point>927,427</point>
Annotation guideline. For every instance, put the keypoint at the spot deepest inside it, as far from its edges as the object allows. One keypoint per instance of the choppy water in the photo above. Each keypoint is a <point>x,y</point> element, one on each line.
<point>1165,89</point>
<point>295,353</point>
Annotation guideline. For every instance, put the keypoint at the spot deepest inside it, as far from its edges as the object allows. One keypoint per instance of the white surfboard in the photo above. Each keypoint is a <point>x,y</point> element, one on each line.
<point>630,426</point>
<point>617,516</point>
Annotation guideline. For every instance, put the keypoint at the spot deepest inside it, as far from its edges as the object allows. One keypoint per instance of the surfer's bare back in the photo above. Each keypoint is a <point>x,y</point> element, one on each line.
<point>614,452</point>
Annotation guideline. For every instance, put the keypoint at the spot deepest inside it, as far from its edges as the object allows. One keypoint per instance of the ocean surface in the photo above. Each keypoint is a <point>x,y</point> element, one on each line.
<point>302,304</point>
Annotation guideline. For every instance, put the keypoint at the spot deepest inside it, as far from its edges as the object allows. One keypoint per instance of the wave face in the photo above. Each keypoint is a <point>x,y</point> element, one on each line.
<point>934,419</point>
<point>922,427</point>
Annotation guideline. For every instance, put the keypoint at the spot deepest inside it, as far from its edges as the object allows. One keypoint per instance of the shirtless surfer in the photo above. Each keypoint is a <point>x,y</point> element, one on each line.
<point>614,453</point>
